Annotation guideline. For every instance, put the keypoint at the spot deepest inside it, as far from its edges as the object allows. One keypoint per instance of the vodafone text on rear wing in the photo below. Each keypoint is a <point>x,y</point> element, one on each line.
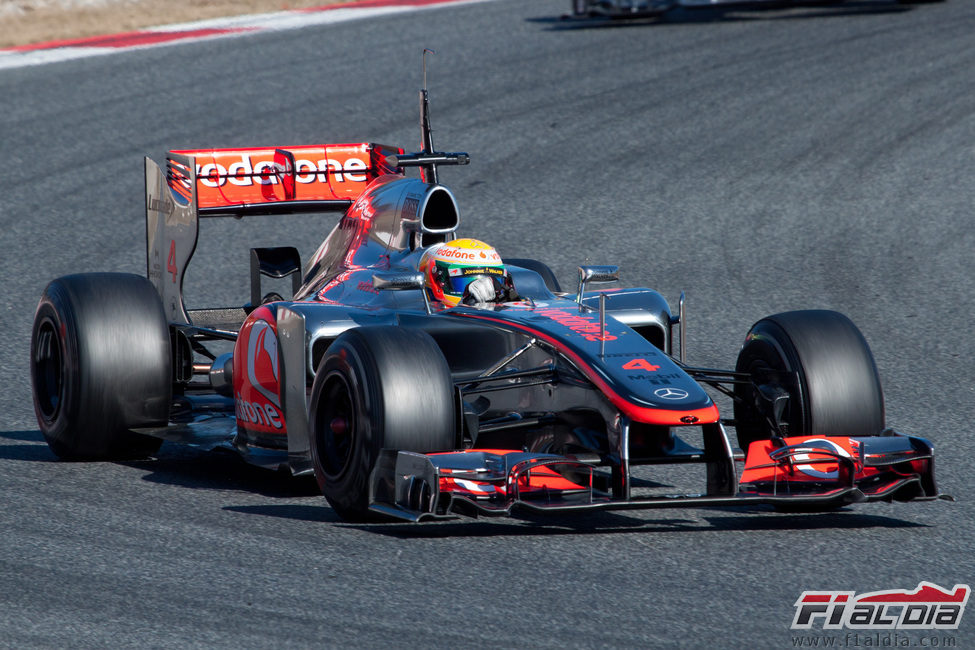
<point>238,182</point>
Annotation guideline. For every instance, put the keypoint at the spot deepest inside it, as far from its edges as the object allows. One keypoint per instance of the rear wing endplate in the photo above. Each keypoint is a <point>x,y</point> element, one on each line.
<point>172,228</point>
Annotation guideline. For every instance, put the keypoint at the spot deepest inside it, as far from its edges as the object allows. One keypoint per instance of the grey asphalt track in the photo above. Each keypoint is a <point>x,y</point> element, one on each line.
<point>758,159</point>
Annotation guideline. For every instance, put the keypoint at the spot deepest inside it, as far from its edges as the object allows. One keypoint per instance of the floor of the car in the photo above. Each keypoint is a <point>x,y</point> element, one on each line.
<point>227,318</point>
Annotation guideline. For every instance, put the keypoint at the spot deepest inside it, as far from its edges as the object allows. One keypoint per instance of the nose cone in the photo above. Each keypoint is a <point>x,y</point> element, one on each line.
<point>652,388</point>
<point>640,380</point>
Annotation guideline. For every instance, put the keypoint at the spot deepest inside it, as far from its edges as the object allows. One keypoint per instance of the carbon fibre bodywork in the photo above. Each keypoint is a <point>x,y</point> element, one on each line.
<point>557,396</point>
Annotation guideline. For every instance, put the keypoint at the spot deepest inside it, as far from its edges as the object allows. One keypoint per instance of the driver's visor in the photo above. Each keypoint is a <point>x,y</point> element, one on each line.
<point>458,277</point>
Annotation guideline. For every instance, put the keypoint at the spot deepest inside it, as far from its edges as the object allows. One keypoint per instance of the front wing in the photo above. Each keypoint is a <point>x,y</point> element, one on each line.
<point>792,472</point>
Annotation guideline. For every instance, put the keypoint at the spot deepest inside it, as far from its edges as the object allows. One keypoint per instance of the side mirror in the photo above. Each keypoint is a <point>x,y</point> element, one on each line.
<point>400,281</point>
<point>397,281</point>
<point>597,274</point>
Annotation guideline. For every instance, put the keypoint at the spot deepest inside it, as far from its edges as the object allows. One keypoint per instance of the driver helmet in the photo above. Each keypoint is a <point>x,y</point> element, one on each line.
<point>448,269</point>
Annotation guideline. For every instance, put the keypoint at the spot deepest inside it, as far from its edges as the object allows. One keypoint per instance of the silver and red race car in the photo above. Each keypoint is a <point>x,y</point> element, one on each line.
<point>404,406</point>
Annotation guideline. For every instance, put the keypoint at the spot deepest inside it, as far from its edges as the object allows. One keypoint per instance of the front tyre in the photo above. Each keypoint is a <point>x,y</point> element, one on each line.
<point>100,365</point>
<point>821,360</point>
<point>376,388</point>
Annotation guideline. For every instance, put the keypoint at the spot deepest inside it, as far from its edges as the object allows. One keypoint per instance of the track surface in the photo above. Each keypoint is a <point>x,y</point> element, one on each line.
<point>760,160</point>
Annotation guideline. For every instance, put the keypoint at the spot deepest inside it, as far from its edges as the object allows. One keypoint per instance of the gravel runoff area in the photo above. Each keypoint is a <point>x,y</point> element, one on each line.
<point>24,22</point>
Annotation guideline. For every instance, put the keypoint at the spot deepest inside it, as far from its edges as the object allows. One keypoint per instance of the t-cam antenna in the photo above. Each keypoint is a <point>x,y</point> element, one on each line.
<point>428,158</point>
<point>426,133</point>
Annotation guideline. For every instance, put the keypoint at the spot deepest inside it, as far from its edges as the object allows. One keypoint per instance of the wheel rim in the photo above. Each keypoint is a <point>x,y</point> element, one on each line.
<point>48,370</point>
<point>335,426</point>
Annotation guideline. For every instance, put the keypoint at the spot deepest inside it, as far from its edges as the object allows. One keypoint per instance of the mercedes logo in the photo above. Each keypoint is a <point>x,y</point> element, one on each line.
<point>670,393</point>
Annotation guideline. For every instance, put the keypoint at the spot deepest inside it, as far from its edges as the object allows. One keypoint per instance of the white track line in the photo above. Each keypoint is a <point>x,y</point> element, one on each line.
<point>233,26</point>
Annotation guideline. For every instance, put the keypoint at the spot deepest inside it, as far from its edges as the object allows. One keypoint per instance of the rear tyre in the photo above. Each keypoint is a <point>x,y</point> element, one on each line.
<point>100,365</point>
<point>551,282</point>
<point>834,389</point>
<point>376,388</point>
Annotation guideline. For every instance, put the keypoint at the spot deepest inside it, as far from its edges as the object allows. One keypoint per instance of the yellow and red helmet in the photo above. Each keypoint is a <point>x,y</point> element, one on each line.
<point>449,268</point>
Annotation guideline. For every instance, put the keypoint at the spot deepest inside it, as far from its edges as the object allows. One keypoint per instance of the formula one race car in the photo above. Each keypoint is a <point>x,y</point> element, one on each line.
<point>418,375</point>
<point>622,8</point>
<point>629,9</point>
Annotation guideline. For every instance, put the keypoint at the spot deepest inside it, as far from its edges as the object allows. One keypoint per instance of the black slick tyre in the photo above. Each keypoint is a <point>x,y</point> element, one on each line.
<point>100,365</point>
<point>824,363</point>
<point>376,388</point>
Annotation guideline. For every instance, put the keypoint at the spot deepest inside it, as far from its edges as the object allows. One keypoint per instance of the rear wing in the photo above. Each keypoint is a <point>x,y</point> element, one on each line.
<point>245,182</point>
<point>238,182</point>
